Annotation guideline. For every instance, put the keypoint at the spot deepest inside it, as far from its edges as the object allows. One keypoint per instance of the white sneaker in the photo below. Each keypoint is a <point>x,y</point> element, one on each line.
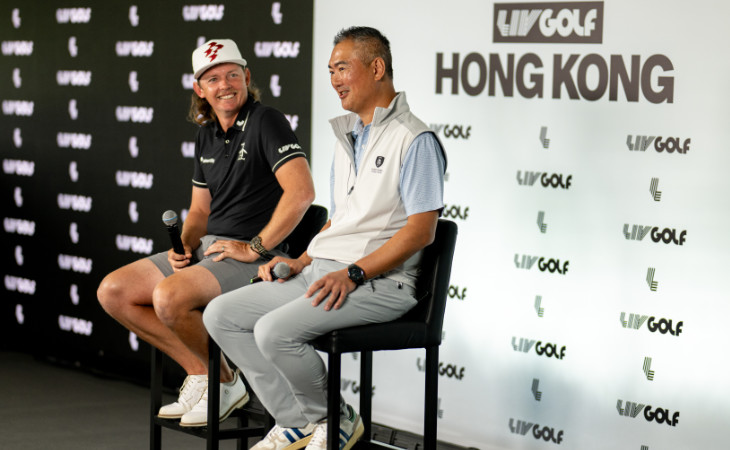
<point>233,395</point>
<point>279,438</point>
<point>351,429</point>
<point>190,393</point>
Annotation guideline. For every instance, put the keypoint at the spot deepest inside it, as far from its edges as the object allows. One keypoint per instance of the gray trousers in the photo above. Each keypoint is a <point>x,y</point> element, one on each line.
<point>265,328</point>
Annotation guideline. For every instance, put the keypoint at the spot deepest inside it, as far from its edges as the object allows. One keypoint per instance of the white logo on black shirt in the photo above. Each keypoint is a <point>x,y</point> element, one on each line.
<point>289,147</point>
<point>242,153</point>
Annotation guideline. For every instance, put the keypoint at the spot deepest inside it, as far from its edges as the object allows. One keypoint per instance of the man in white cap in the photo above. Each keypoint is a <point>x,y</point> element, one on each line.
<point>251,187</point>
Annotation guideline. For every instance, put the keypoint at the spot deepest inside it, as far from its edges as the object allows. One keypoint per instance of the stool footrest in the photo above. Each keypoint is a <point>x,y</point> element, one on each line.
<point>223,433</point>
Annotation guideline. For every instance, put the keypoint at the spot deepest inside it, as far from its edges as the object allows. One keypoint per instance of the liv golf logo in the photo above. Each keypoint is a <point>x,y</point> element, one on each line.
<point>546,433</point>
<point>456,212</point>
<point>553,22</point>
<point>547,180</point>
<point>445,370</point>
<point>663,326</point>
<point>545,349</point>
<point>640,143</point>
<point>658,415</point>
<point>666,235</point>
<point>543,264</point>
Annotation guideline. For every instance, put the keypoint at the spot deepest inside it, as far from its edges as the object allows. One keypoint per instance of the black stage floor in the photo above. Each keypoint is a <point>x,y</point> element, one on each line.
<point>47,406</point>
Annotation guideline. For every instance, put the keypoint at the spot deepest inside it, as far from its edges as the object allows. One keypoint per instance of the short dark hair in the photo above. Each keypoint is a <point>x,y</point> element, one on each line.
<point>373,45</point>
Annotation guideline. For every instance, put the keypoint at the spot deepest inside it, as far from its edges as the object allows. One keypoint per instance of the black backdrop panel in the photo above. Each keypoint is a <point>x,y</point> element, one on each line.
<point>96,146</point>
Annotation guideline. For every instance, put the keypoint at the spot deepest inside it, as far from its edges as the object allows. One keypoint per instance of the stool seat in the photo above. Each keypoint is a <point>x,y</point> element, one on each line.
<point>382,336</point>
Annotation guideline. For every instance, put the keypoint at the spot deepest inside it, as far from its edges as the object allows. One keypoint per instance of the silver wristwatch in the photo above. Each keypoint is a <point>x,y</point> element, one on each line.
<point>257,247</point>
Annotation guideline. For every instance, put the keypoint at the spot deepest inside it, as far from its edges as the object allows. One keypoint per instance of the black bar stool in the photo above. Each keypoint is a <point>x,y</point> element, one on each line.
<point>421,327</point>
<point>312,222</point>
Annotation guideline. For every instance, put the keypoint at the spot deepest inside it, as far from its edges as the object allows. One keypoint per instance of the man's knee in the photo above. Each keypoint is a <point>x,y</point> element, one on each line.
<point>272,337</point>
<point>168,299</point>
<point>175,298</point>
<point>212,316</point>
<point>111,293</point>
<point>128,287</point>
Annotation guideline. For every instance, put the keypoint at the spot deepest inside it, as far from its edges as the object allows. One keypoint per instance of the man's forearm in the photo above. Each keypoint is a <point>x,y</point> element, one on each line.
<point>414,236</point>
<point>194,228</point>
<point>287,215</point>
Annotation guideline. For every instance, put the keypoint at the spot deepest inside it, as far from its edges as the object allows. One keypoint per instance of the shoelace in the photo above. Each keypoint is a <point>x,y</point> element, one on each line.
<point>274,433</point>
<point>319,437</point>
<point>185,391</point>
<point>203,403</point>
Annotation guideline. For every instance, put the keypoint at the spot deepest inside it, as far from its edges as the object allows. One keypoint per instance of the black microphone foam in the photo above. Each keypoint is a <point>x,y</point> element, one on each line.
<point>169,218</point>
<point>280,270</point>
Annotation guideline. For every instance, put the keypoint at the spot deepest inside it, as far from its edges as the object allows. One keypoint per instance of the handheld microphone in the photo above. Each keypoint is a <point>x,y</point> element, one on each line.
<point>280,270</point>
<point>169,218</point>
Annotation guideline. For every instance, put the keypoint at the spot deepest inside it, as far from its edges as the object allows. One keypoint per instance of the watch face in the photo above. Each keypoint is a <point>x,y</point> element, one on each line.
<point>355,273</point>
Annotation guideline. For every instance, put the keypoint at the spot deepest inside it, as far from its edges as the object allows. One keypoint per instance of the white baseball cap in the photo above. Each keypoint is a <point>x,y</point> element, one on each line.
<point>214,52</point>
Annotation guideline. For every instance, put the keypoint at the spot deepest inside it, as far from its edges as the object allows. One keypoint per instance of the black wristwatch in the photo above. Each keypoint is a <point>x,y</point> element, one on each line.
<point>257,247</point>
<point>356,274</point>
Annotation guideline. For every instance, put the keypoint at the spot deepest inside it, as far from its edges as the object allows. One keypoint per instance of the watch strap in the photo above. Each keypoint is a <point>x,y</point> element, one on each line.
<point>256,245</point>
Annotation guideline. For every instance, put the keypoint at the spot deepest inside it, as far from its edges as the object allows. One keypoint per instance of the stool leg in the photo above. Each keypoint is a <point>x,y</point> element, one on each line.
<point>333,401</point>
<point>242,443</point>
<point>214,387</point>
<point>432,391</point>
<point>156,399</point>
<point>366,393</point>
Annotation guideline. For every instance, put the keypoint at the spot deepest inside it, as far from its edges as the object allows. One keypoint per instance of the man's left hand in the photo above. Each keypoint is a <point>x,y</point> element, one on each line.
<point>240,251</point>
<point>334,286</point>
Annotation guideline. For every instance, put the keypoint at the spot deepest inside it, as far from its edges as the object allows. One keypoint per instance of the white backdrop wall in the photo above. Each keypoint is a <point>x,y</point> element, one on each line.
<point>591,313</point>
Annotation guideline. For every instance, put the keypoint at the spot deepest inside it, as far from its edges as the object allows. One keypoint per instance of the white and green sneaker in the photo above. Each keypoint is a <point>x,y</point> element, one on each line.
<point>280,438</point>
<point>351,429</point>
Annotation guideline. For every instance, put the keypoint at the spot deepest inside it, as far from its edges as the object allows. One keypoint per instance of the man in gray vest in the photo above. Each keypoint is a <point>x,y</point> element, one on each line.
<point>387,194</point>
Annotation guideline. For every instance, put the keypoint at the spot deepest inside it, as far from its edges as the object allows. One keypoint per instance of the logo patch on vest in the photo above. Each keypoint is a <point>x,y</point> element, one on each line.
<point>378,162</point>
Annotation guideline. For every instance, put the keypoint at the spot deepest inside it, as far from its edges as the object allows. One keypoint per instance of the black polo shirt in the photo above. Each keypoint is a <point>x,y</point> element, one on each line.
<point>238,168</point>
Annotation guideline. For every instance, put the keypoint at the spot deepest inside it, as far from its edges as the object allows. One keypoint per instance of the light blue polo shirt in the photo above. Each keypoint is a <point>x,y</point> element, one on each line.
<point>421,177</point>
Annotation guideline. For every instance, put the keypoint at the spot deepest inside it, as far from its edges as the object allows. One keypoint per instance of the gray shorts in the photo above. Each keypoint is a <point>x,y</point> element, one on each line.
<point>231,274</point>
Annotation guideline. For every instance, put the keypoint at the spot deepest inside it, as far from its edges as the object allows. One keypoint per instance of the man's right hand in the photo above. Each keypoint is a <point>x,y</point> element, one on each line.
<point>179,262</point>
<point>295,266</point>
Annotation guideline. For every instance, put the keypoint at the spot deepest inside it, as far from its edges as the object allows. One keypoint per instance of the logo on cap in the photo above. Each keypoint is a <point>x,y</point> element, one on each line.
<point>212,52</point>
